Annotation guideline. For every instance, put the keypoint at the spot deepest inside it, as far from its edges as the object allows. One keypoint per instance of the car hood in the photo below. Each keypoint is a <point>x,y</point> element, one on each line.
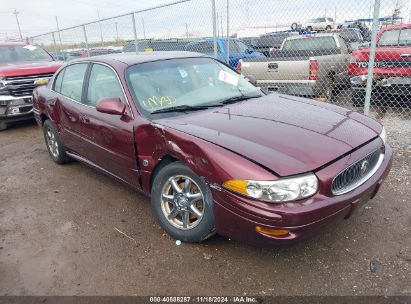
<point>29,68</point>
<point>286,134</point>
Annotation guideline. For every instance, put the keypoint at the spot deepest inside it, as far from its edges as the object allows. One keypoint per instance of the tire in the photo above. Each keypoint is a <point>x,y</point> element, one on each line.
<point>328,28</point>
<point>173,207</point>
<point>309,29</point>
<point>3,126</point>
<point>358,98</point>
<point>294,26</point>
<point>53,143</point>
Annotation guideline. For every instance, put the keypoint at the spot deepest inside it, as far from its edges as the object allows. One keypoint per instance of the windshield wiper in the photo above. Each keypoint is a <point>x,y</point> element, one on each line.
<point>237,99</point>
<point>181,108</point>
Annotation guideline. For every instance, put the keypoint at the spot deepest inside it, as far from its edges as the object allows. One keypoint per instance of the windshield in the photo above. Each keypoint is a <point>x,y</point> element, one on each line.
<point>191,82</point>
<point>310,43</point>
<point>237,46</point>
<point>22,53</point>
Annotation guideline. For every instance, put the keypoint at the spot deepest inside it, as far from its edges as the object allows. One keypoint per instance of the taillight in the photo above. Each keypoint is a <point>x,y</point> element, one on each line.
<point>313,67</point>
<point>238,67</point>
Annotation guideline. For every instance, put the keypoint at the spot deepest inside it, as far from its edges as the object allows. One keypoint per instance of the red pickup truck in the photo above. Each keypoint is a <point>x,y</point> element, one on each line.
<point>22,67</point>
<point>392,67</point>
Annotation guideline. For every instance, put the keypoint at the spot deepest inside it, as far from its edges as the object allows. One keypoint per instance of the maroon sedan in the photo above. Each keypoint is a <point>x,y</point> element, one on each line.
<point>214,152</point>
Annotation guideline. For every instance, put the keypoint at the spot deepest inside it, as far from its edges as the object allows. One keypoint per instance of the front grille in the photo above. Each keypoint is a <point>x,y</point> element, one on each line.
<point>19,86</point>
<point>357,173</point>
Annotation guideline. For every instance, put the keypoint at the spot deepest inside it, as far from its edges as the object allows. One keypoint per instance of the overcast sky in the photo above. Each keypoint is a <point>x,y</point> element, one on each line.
<point>38,16</point>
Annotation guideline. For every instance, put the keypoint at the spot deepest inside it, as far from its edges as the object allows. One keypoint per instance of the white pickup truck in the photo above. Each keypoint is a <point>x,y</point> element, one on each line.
<point>305,65</point>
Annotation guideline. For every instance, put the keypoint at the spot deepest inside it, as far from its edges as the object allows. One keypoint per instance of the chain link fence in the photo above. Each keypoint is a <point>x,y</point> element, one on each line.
<point>356,54</point>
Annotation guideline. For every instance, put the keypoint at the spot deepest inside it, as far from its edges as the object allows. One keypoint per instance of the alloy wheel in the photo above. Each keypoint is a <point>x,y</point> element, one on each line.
<point>182,202</point>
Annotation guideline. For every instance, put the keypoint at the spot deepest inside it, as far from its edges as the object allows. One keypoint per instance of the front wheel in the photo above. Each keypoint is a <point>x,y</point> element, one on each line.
<point>358,98</point>
<point>183,203</point>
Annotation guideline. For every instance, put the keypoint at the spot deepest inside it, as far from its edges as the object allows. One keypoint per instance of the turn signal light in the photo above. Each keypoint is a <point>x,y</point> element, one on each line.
<point>272,232</point>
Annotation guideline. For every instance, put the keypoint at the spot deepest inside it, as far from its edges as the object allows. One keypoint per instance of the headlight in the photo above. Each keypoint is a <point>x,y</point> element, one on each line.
<point>383,135</point>
<point>282,190</point>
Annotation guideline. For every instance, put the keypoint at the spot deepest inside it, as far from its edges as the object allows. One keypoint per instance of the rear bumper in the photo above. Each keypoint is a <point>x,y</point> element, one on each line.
<point>394,86</point>
<point>237,217</point>
<point>14,109</point>
<point>300,88</point>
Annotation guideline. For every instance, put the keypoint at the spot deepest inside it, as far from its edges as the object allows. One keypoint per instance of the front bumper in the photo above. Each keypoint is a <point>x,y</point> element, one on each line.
<point>14,109</point>
<point>237,217</point>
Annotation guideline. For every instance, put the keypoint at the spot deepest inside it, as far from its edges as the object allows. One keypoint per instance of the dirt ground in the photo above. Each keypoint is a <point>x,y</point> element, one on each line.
<point>60,235</point>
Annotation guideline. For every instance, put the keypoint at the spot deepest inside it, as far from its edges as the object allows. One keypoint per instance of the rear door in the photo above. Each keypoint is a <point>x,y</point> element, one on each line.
<point>68,88</point>
<point>108,139</point>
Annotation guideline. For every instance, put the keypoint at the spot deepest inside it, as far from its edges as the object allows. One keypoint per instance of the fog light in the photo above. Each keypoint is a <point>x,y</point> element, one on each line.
<point>13,111</point>
<point>272,232</point>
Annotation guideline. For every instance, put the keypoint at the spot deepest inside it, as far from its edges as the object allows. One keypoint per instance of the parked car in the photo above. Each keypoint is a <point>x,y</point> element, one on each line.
<point>353,38</point>
<point>268,42</point>
<point>149,45</point>
<point>215,153</point>
<point>238,50</point>
<point>305,65</point>
<point>319,24</point>
<point>392,67</point>
<point>21,67</point>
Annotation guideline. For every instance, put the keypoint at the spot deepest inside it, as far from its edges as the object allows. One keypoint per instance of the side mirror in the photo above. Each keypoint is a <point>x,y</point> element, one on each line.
<point>113,106</point>
<point>251,79</point>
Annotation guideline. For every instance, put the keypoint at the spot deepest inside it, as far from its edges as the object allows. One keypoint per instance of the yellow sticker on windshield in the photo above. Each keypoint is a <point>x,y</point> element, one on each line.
<point>158,101</point>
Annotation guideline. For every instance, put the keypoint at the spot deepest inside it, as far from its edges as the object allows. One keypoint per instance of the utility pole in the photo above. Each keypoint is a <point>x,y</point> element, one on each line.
<point>15,12</point>
<point>116,23</point>
<point>58,31</point>
<point>214,27</point>
<point>101,30</point>
<point>144,28</point>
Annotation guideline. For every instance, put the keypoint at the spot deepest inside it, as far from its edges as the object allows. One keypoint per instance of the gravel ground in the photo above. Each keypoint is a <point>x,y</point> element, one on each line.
<point>61,233</point>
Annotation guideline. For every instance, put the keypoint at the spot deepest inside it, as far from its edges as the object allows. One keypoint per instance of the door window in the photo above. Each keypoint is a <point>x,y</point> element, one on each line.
<point>103,83</point>
<point>72,83</point>
<point>58,81</point>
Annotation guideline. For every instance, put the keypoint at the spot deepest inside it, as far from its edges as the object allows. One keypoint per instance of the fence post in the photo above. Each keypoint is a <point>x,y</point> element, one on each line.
<point>372,57</point>
<point>228,32</point>
<point>133,19</point>
<point>85,39</point>
<point>214,28</point>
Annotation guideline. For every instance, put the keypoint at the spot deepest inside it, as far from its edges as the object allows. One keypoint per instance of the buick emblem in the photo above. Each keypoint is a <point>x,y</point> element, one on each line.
<point>364,167</point>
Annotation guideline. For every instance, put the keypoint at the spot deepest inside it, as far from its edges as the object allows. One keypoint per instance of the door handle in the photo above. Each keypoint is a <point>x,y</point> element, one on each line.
<point>405,55</point>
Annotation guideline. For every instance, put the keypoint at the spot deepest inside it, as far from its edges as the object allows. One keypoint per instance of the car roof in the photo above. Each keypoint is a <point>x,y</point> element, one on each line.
<point>397,26</point>
<point>312,36</point>
<point>140,57</point>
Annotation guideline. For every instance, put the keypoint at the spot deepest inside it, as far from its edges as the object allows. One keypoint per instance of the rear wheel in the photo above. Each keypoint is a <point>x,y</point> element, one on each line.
<point>182,203</point>
<point>309,28</point>
<point>328,27</point>
<point>54,145</point>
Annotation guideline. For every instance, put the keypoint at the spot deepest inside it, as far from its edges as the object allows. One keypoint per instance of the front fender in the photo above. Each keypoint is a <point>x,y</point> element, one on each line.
<point>211,162</point>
